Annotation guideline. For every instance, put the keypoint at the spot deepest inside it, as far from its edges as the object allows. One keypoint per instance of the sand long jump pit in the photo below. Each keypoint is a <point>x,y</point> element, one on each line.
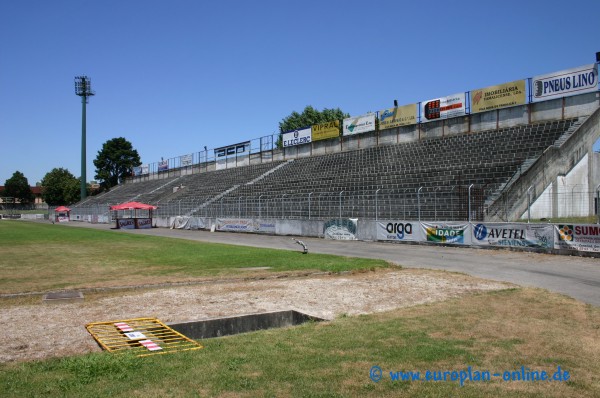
<point>37,331</point>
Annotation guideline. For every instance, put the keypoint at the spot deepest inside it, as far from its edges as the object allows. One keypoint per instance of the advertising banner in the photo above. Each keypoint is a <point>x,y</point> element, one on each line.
<point>126,223</point>
<point>245,225</point>
<point>344,229</point>
<point>513,235</point>
<point>359,125</point>
<point>496,97</point>
<point>585,238</point>
<point>163,166</point>
<point>145,169</point>
<point>137,171</point>
<point>186,160</point>
<point>398,231</point>
<point>399,116</point>
<point>326,130</point>
<point>443,108</point>
<point>565,83</point>
<point>144,223</point>
<point>445,233</point>
<point>297,137</point>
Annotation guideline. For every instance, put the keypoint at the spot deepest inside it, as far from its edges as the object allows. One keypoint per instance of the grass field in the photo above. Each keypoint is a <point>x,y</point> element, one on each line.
<point>510,330</point>
<point>42,257</point>
<point>497,332</point>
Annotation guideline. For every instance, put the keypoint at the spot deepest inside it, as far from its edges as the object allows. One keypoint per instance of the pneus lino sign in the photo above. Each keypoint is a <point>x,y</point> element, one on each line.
<point>565,83</point>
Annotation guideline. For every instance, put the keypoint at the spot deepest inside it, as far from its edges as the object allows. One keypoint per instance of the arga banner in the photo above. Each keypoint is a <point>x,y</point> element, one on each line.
<point>399,231</point>
<point>443,108</point>
<point>326,130</point>
<point>445,233</point>
<point>358,125</point>
<point>585,238</point>
<point>496,97</point>
<point>513,235</point>
<point>565,83</point>
<point>297,137</point>
<point>399,116</point>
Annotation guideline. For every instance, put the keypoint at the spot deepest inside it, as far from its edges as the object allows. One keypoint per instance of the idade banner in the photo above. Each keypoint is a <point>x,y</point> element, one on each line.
<point>513,235</point>
<point>399,116</point>
<point>297,137</point>
<point>359,125</point>
<point>585,238</point>
<point>398,231</point>
<point>443,108</point>
<point>496,97</point>
<point>326,130</point>
<point>445,233</point>
<point>344,229</point>
<point>565,83</point>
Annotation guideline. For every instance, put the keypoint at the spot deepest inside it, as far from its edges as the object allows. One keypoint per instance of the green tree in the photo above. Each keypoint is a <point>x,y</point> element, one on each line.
<point>18,187</point>
<point>115,161</point>
<point>60,187</point>
<point>308,117</point>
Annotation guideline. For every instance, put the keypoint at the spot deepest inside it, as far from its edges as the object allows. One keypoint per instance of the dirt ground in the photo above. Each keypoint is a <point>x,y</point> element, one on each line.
<point>42,330</point>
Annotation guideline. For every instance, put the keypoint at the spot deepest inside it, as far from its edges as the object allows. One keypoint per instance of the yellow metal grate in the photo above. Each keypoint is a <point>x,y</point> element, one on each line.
<point>146,336</point>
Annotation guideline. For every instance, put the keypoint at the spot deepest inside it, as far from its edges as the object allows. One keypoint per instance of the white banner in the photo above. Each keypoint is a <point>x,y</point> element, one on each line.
<point>297,137</point>
<point>181,222</point>
<point>565,83</point>
<point>359,125</point>
<point>443,108</point>
<point>186,160</point>
<point>344,229</point>
<point>585,238</point>
<point>245,225</point>
<point>399,231</point>
<point>513,235</point>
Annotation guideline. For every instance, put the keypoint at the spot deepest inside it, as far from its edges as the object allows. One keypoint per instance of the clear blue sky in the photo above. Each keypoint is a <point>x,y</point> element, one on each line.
<point>173,76</point>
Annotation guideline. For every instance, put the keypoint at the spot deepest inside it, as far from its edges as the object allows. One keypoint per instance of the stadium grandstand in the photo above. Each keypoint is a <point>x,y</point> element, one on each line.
<point>494,164</point>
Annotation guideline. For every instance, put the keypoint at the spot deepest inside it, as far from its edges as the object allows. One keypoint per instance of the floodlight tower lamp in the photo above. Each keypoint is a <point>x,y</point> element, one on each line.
<point>83,89</point>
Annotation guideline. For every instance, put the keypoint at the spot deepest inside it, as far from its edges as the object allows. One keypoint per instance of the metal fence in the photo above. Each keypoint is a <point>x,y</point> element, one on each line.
<point>458,203</point>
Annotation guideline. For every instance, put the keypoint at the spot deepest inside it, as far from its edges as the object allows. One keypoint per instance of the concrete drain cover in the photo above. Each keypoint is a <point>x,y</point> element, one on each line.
<point>67,296</point>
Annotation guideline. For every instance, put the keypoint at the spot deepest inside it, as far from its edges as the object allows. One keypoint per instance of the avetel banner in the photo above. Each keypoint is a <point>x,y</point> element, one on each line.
<point>326,130</point>
<point>496,97</point>
<point>398,231</point>
<point>399,116</point>
<point>359,125</point>
<point>585,238</point>
<point>186,160</point>
<point>443,108</point>
<point>565,83</point>
<point>513,235</point>
<point>297,137</point>
<point>445,233</point>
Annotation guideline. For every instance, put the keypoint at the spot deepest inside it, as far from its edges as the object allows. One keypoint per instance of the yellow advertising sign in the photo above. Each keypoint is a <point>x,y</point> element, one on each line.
<point>495,97</point>
<point>394,117</point>
<point>326,130</point>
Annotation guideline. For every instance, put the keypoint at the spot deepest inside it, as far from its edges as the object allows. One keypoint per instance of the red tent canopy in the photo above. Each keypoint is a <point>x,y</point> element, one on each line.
<point>61,209</point>
<point>133,206</point>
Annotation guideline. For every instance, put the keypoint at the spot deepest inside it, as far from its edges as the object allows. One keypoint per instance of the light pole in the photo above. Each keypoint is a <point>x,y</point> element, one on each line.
<point>83,88</point>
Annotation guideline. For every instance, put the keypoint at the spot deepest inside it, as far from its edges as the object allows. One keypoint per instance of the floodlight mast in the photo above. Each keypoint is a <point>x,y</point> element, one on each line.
<point>83,88</point>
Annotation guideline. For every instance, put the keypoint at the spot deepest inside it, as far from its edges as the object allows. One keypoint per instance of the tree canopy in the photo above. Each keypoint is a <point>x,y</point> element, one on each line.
<point>115,161</point>
<point>18,187</point>
<point>310,116</point>
<point>60,187</point>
